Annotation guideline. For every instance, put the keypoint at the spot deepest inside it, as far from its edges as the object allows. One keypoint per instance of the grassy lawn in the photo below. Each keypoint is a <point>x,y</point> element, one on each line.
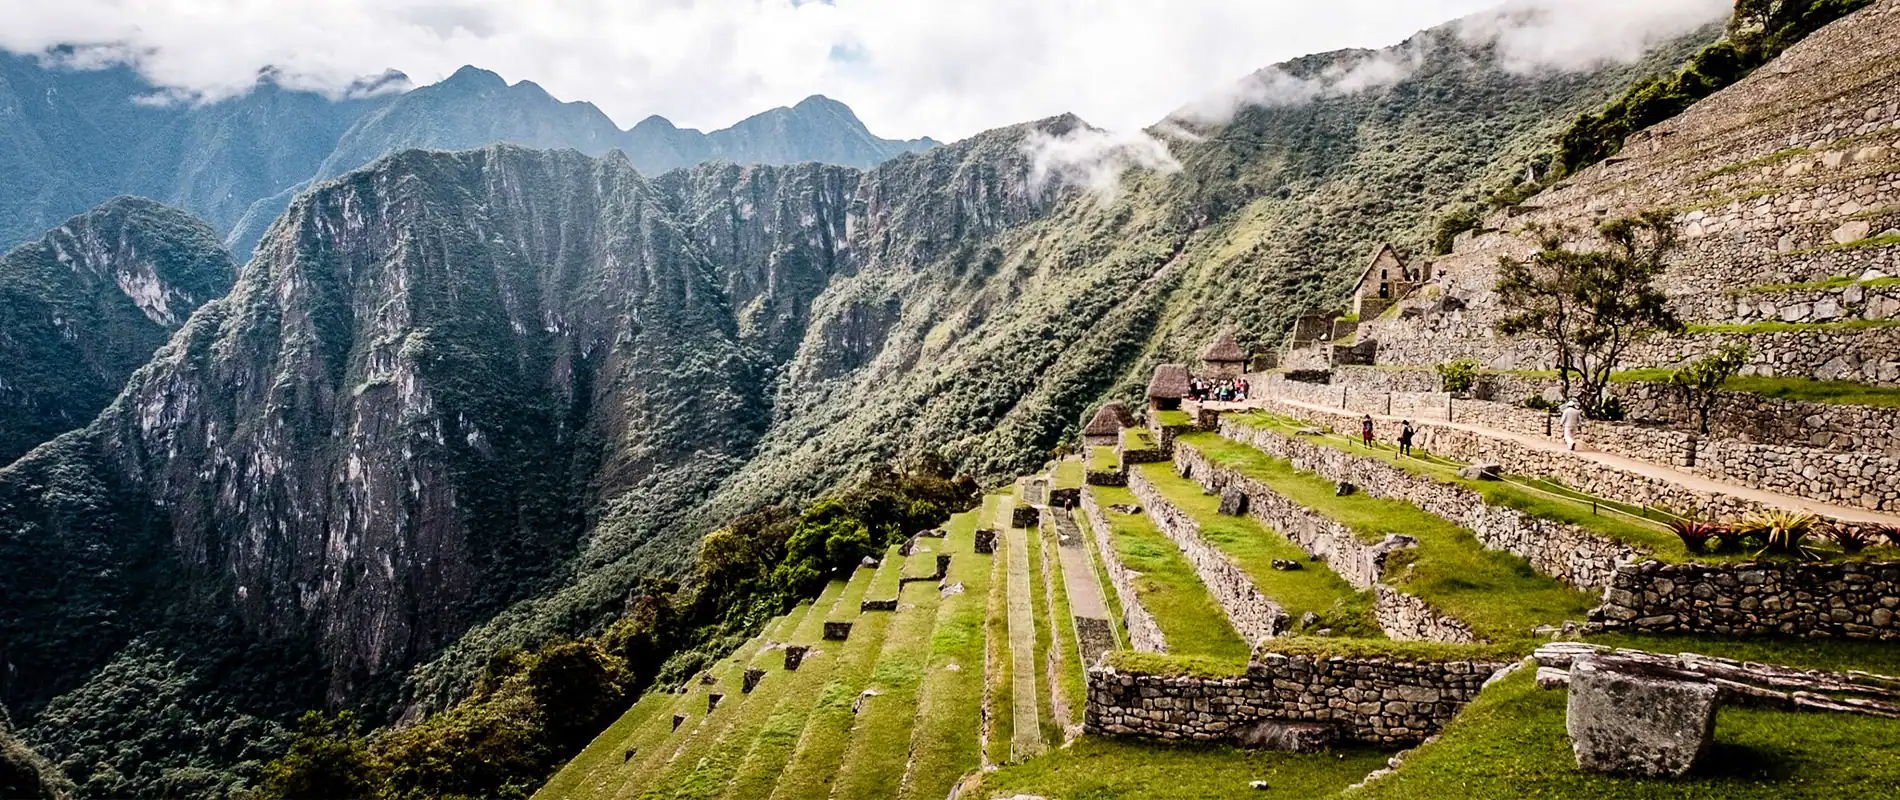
<point>945,742</point>
<point>1069,472</point>
<point>1067,650</point>
<point>1167,587</point>
<point>1045,639</point>
<point>1254,547</point>
<point>1173,419</point>
<point>1001,707</point>
<point>874,763</point>
<point>773,744</point>
<point>1510,742</point>
<point>592,773</point>
<point>1137,439</point>
<point>827,728</point>
<point>641,775</point>
<point>704,761</point>
<point>1104,459</point>
<point>1098,768</point>
<point>1497,594</point>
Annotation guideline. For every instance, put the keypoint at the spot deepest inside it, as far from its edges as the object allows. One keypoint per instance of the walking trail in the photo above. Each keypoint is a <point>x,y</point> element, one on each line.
<point>1027,740</point>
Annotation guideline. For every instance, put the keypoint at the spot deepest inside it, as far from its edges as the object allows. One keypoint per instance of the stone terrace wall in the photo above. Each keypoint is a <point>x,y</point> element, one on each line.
<point>1143,633</point>
<point>1836,304</point>
<point>1566,552</point>
<point>1400,615</point>
<point>1365,700</point>
<point>1850,600</point>
<point>1572,470</point>
<point>1868,355</point>
<point>1254,616</point>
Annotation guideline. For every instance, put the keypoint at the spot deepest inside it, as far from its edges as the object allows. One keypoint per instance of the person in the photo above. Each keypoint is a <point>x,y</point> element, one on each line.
<point>1405,437</point>
<point>1572,418</point>
<point>1365,431</point>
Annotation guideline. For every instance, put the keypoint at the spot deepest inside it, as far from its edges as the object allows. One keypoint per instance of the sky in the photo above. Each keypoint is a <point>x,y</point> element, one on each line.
<point>943,68</point>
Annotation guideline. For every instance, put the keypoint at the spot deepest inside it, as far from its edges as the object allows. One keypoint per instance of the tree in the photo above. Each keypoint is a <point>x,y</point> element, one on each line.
<point>1591,306</point>
<point>1699,381</point>
<point>1458,377</point>
<point>328,760</point>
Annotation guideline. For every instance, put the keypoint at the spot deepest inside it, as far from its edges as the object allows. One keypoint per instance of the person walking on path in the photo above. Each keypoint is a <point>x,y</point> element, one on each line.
<point>1365,431</point>
<point>1572,415</point>
<point>1405,437</point>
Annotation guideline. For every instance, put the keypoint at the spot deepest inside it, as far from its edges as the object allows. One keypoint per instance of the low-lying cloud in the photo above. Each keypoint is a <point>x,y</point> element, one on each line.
<point>1275,86</point>
<point>1093,160</point>
<point>1566,35</point>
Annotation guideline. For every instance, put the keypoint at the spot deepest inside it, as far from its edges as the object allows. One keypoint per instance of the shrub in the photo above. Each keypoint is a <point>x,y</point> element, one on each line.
<point>1855,538</point>
<point>1729,540</point>
<point>1694,533</point>
<point>1537,402</point>
<point>1458,376</point>
<point>1780,531</point>
<point>1698,382</point>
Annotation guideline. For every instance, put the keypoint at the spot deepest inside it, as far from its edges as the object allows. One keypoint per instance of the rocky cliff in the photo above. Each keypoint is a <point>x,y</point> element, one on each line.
<point>83,307</point>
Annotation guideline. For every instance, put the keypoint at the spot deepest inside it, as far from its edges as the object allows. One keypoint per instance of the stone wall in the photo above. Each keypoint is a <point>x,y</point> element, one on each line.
<point>1566,552</point>
<point>1254,617</point>
<point>1831,304</point>
<point>1365,700</point>
<point>1868,355</point>
<point>1360,563</point>
<point>1143,633</point>
<point>1850,600</point>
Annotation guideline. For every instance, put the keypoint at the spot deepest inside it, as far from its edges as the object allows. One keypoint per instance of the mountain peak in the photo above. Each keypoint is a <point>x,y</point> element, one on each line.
<point>475,77</point>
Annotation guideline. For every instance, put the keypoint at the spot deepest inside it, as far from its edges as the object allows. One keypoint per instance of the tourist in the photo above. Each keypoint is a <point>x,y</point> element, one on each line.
<point>1365,431</point>
<point>1572,417</point>
<point>1405,437</point>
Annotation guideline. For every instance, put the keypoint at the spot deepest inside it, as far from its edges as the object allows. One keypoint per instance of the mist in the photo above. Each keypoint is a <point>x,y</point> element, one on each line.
<point>1093,160</point>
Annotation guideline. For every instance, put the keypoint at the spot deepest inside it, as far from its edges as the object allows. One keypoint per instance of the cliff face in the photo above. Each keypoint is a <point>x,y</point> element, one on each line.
<point>87,304</point>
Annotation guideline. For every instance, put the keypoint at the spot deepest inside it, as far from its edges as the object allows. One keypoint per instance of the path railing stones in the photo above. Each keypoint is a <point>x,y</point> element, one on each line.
<point>1143,633</point>
<point>1094,633</point>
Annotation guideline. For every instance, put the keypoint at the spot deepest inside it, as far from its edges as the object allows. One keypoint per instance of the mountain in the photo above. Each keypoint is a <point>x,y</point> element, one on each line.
<point>70,138</point>
<point>463,401</point>
<point>87,304</point>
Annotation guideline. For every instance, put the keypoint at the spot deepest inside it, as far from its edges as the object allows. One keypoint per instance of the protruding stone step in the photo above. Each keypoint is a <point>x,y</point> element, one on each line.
<point>1648,720</point>
<point>712,701</point>
<point>794,656</point>
<point>678,720</point>
<point>873,605</point>
<point>985,543</point>
<point>752,677</point>
<point>1023,517</point>
<point>837,631</point>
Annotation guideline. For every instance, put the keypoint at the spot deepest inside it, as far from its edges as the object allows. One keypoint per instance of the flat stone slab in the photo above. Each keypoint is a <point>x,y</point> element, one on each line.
<point>1638,719</point>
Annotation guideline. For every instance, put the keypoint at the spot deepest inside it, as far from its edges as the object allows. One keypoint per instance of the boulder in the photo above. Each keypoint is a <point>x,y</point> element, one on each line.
<point>1485,471</point>
<point>1291,737</point>
<point>1124,508</point>
<point>1233,503</point>
<point>1344,488</point>
<point>868,563</point>
<point>1852,231</point>
<point>1638,719</point>
<point>1309,432</point>
<point>1286,565</point>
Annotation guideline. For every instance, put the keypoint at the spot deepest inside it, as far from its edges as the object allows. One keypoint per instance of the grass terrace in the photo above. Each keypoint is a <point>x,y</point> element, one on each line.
<point>999,709</point>
<point>1167,586</point>
<point>1104,459</point>
<point>1838,282</point>
<point>1045,639</point>
<point>1138,439</point>
<point>1069,677</point>
<point>945,741</point>
<point>1845,393</point>
<point>1097,768</point>
<point>1173,419</point>
<point>1254,547</point>
<point>1496,593</point>
<point>1069,472</point>
<point>1754,328</point>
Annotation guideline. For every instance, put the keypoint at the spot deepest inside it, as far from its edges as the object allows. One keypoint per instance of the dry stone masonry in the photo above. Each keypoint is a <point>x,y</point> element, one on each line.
<point>1371,700</point>
<point>1254,617</point>
<point>1143,634</point>
<point>1850,600</point>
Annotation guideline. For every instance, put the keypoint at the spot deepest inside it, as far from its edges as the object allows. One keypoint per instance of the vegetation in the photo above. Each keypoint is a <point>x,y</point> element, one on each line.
<point>1699,382</point>
<point>1784,532</point>
<point>946,739</point>
<point>1457,377</point>
<point>1590,307</point>
<point>1776,326</point>
<point>1125,769</point>
<point>1166,585</point>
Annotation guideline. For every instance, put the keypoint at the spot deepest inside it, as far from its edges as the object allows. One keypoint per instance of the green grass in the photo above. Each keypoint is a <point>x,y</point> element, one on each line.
<point>1838,282</point>
<point>1750,164</point>
<point>875,760</point>
<point>1497,594</point>
<point>1000,709</point>
<point>1753,328</point>
<point>1069,472</point>
<point>945,742</point>
<point>1348,612</point>
<point>1191,622</point>
<point>1173,419</point>
<point>1104,459</point>
<point>1828,654</point>
<point>1068,651</point>
<point>1882,240</point>
<point>1510,742</point>
<point>827,732</point>
<point>1045,640</point>
<point>587,775</point>
<point>641,775</point>
<point>1097,768</point>
<point>1137,439</point>
<point>704,761</point>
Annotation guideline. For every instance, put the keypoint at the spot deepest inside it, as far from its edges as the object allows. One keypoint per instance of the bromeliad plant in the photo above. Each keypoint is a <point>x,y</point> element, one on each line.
<point>1780,531</point>
<point>1695,533</point>
<point>1854,538</point>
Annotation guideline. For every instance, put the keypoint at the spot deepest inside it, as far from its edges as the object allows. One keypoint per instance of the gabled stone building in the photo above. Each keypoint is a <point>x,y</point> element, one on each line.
<point>1105,428</point>
<point>1167,387</point>
<point>1386,280</point>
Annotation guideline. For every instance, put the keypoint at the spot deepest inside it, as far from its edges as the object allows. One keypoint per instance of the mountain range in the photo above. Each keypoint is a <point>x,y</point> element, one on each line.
<point>71,138</point>
<point>462,401</point>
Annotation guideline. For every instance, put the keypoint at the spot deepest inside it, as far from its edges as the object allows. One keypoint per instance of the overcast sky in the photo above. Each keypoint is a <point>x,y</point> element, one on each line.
<point>944,68</point>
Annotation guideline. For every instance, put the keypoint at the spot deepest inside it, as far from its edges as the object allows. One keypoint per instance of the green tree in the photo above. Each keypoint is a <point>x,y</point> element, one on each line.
<point>1591,306</point>
<point>1699,382</point>
<point>1458,376</point>
<point>328,760</point>
<point>579,688</point>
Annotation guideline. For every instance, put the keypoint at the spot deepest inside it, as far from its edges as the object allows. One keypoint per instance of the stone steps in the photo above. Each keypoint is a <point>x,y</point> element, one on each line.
<point>689,772</point>
<point>874,762</point>
<point>946,738</point>
<point>1026,670</point>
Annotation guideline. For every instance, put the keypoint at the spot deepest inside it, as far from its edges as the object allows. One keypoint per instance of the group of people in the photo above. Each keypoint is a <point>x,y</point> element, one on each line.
<point>1571,416</point>
<point>1231,390</point>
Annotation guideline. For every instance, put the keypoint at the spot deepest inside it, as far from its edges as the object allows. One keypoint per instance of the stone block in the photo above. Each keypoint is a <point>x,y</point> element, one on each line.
<point>985,542</point>
<point>837,631</point>
<point>795,655</point>
<point>868,605</point>
<point>1023,517</point>
<point>712,702</point>
<point>751,680</point>
<point>1638,719</point>
<point>1483,471</point>
<point>678,719</point>
<point>1233,502</point>
<point>1291,737</point>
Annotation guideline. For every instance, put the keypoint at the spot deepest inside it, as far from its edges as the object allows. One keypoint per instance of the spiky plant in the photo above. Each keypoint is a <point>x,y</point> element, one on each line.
<point>1695,533</point>
<point>1780,531</point>
<point>1853,538</point>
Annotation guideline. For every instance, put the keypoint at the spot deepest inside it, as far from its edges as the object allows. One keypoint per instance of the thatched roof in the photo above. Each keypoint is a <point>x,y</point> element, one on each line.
<point>1109,420</point>
<point>1224,350</point>
<point>1170,381</point>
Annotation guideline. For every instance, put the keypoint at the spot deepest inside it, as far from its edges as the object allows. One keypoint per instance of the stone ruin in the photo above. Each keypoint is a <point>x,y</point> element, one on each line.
<point>751,680</point>
<point>985,542</point>
<point>794,656</point>
<point>1023,517</point>
<point>943,569</point>
<point>712,701</point>
<point>837,631</point>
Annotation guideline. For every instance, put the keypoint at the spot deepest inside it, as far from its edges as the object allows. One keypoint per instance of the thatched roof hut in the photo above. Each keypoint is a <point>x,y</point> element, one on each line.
<point>1224,350</point>
<point>1170,382</point>
<point>1109,420</point>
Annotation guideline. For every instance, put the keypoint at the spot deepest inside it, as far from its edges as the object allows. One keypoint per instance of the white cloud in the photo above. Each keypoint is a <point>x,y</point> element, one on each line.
<point>1274,86</point>
<point>1534,35</point>
<point>1092,159</point>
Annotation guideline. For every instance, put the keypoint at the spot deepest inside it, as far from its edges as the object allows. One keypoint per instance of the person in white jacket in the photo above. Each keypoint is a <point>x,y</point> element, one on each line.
<point>1572,418</point>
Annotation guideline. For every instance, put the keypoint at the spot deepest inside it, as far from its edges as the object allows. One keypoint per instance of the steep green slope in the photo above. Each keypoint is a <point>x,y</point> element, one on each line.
<point>87,304</point>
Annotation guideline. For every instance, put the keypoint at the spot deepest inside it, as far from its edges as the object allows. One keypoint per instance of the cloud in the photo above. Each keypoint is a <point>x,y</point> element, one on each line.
<point>1093,160</point>
<point>1537,35</point>
<point>1274,86</point>
<point>947,68</point>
